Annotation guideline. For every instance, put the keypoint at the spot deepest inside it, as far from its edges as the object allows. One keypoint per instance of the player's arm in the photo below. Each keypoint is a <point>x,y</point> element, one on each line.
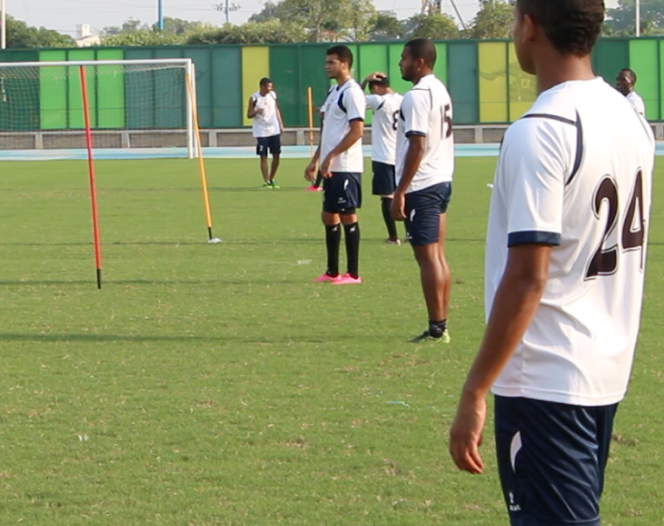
<point>281,121</point>
<point>531,177</point>
<point>415,110</point>
<point>312,168</point>
<point>356,107</point>
<point>251,109</point>
<point>370,78</point>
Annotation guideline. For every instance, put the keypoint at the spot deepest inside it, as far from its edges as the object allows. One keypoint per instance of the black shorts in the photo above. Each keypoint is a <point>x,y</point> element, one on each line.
<point>342,193</point>
<point>423,211</point>
<point>551,459</point>
<point>383,182</point>
<point>271,144</point>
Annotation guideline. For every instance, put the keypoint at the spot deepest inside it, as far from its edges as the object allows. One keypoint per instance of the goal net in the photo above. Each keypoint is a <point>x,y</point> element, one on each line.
<point>132,104</point>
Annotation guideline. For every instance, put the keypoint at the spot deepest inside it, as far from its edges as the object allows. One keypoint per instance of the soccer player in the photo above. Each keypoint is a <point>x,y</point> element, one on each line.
<point>565,256</point>
<point>625,83</point>
<point>424,169</point>
<point>385,105</point>
<point>267,128</point>
<point>340,149</point>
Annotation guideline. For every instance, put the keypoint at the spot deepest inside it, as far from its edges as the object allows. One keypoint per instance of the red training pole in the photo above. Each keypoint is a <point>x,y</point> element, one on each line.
<point>91,170</point>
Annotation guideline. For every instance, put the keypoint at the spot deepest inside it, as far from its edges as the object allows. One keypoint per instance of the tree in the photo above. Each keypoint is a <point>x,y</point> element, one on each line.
<point>272,31</point>
<point>177,26</point>
<point>386,27</point>
<point>145,37</point>
<point>495,19</point>
<point>436,26</point>
<point>128,26</point>
<point>270,11</point>
<point>20,35</point>
<point>621,20</point>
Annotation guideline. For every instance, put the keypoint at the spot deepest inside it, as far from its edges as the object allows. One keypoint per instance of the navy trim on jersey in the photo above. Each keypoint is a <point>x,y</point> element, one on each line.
<point>549,116</point>
<point>579,149</point>
<point>401,114</point>
<point>340,102</point>
<point>356,119</point>
<point>530,237</point>
<point>380,106</point>
<point>415,134</point>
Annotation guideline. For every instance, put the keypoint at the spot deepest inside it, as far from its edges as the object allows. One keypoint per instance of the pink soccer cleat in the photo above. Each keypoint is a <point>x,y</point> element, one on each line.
<point>313,188</point>
<point>326,278</point>
<point>347,279</point>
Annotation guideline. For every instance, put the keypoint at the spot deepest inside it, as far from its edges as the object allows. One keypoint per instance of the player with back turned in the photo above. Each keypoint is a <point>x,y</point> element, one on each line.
<point>565,256</point>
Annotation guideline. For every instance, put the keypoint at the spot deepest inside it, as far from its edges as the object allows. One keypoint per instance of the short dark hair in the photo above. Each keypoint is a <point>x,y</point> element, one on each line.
<point>343,53</point>
<point>265,81</point>
<point>572,26</point>
<point>423,48</point>
<point>629,73</point>
<point>383,82</point>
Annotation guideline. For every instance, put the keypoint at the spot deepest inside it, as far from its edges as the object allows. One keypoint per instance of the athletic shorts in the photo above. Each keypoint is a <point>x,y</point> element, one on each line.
<point>551,460</point>
<point>383,182</point>
<point>423,211</point>
<point>271,144</point>
<point>342,193</point>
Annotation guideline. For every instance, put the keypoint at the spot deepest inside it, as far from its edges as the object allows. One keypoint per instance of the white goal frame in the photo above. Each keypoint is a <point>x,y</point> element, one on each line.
<point>190,72</point>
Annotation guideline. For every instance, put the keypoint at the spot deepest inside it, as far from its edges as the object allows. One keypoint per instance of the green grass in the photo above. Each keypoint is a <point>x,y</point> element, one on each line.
<point>216,385</point>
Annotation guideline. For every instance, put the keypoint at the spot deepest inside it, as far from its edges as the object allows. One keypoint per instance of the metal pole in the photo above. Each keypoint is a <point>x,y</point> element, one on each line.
<point>160,20</point>
<point>3,21</point>
<point>228,13</point>
<point>638,18</point>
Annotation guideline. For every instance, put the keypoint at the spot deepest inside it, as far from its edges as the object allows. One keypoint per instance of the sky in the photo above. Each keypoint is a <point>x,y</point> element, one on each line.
<point>65,15</point>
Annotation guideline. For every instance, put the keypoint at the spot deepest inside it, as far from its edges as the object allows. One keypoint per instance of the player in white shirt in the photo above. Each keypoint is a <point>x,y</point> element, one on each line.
<point>267,127</point>
<point>385,105</point>
<point>340,149</point>
<point>424,170</point>
<point>625,84</point>
<point>565,255</point>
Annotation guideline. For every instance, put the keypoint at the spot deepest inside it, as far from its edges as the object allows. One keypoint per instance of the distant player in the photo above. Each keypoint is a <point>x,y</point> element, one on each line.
<point>425,165</point>
<point>267,128</point>
<point>385,105</point>
<point>343,162</point>
<point>565,255</point>
<point>625,83</point>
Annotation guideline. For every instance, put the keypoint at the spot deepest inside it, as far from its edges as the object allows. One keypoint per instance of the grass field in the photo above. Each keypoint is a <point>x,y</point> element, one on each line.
<point>215,385</point>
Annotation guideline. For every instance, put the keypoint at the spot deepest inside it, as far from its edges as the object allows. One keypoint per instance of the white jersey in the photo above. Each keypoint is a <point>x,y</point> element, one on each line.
<point>577,177</point>
<point>266,124</point>
<point>427,110</point>
<point>384,128</point>
<point>637,102</point>
<point>343,105</point>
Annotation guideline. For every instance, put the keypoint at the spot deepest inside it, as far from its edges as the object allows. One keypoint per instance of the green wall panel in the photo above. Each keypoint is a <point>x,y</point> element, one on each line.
<point>202,58</point>
<point>609,57</point>
<point>492,65</point>
<point>398,84</point>
<point>373,57</point>
<point>139,93</point>
<point>522,87</point>
<point>440,68</point>
<point>19,93</point>
<point>226,82</point>
<point>53,87</point>
<point>312,62</point>
<point>110,91</point>
<point>463,81</point>
<point>644,61</point>
<point>74,94</point>
<point>170,104</point>
<point>285,73</point>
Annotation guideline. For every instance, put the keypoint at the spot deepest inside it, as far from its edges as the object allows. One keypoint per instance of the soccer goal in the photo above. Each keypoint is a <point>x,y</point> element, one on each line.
<point>92,105</point>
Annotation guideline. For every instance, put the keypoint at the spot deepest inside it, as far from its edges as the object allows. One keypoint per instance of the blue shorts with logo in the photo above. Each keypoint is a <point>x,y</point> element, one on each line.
<point>383,181</point>
<point>423,211</point>
<point>342,193</point>
<point>271,144</point>
<point>551,460</point>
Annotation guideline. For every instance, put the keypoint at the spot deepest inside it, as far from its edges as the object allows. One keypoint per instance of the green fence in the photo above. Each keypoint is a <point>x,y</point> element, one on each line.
<point>483,77</point>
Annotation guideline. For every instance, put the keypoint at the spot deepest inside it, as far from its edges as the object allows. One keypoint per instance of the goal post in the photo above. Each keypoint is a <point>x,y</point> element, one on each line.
<point>133,104</point>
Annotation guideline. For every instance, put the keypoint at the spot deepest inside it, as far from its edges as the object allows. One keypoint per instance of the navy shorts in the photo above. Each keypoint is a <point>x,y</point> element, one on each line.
<point>423,211</point>
<point>551,459</point>
<point>383,182</point>
<point>271,144</point>
<point>342,193</point>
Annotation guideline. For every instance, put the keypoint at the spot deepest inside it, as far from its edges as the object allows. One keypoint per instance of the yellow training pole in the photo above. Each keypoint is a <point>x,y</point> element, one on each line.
<point>201,162</point>
<point>310,108</point>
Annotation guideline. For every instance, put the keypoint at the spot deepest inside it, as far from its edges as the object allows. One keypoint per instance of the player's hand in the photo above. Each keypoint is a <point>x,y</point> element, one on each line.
<point>398,207</point>
<point>466,433</point>
<point>310,171</point>
<point>325,167</point>
<point>375,76</point>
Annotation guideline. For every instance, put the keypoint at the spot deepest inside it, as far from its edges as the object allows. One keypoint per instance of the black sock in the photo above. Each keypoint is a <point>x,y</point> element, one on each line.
<point>333,240</point>
<point>437,328</point>
<point>353,248</point>
<point>386,203</point>
<point>319,180</point>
